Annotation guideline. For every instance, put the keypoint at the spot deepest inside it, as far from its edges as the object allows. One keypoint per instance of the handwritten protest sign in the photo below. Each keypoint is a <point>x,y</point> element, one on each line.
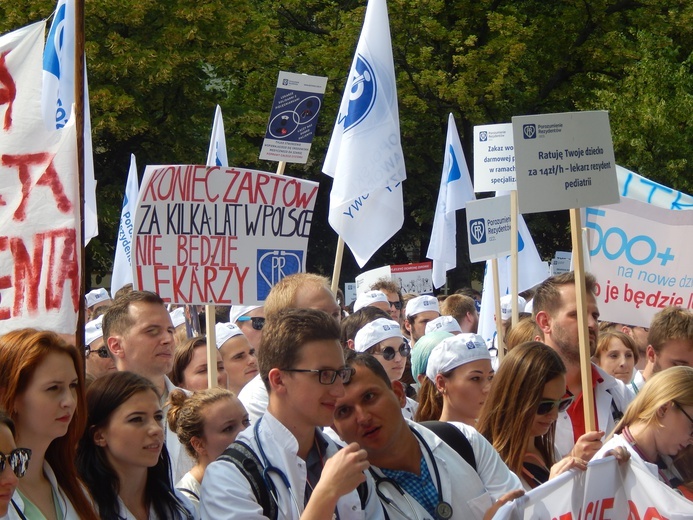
<point>39,199</point>
<point>640,260</point>
<point>219,235</point>
<point>494,158</point>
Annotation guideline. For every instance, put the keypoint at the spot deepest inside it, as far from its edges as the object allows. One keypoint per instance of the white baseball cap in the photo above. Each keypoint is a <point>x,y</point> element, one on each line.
<point>177,316</point>
<point>422,304</point>
<point>507,306</point>
<point>240,310</point>
<point>445,324</point>
<point>374,332</point>
<point>96,296</point>
<point>226,331</point>
<point>368,298</point>
<point>93,330</point>
<point>454,352</point>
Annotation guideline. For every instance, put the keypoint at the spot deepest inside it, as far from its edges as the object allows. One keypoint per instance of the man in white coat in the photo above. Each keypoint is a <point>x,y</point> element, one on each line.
<point>417,475</point>
<point>302,365</point>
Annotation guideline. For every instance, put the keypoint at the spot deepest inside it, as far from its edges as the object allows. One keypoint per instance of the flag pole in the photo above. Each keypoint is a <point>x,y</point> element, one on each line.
<point>337,265</point>
<point>500,340</point>
<point>514,252</point>
<point>79,129</point>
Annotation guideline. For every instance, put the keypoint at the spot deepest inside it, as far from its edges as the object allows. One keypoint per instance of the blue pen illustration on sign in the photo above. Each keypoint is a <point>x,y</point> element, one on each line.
<point>529,131</point>
<point>362,94</point>
<point>477,231</point>
<point>273,265</point>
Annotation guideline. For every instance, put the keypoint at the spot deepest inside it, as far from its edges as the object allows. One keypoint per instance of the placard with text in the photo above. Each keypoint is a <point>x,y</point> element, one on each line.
<point>494,158</point>
<point>488,228</point>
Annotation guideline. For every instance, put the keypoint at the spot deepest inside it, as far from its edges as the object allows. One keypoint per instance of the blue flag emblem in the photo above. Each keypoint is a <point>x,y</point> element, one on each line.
<point>362,94</point>
<point>54,43</point>
<point>454,172</point>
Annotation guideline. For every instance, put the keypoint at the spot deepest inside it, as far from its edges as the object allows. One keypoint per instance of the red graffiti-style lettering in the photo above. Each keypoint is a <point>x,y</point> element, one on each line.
<point>8,91</point>
<point>49,178</point>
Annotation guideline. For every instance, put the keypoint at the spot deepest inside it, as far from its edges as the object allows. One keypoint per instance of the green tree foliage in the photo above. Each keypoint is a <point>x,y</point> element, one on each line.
<point>157,68</point>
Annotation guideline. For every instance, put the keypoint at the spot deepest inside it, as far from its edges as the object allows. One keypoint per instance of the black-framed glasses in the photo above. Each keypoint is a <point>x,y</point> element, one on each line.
<point>684,413</point>
<point>389,353</point>
<point>18,459</point>
<point>257,323</point>
<point>397,305</point>
<point>102,352</point>
<point>546,405</point>
<point>327,376</point>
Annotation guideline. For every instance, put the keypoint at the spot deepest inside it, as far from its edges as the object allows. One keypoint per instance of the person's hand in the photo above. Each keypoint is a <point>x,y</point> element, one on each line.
<point>343,472</point>
<point>566,464</point>
<point>587,445</point>
<point>512,495</point>
<point>622,454</point>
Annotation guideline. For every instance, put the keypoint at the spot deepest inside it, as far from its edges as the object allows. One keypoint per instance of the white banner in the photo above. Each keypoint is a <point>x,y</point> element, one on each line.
<point>218,235</point>
<point>605,491</point>
<point>39,197</point>
<point>122,261</point>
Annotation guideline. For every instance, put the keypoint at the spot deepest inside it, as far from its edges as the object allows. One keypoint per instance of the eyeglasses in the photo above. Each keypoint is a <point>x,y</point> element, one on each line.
<point>327,376</point>
<point>546,405</point>
<point>18,460</point>
<point>684,413</point>
<point>101,351</point>
<point>397,305</point>
<point>389,353</point>
<point>257,323</point>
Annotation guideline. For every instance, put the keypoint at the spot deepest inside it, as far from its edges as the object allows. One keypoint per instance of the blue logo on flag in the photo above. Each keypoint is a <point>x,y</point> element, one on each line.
<point>529,131</point>
<point>362,93</point>
<point>54,43</point>
<point>273,265</point>
<point>477,231</point>
<point>454,173</point>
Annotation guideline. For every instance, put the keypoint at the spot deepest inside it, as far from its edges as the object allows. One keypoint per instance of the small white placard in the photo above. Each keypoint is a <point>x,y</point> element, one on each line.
<point>494,158</point>
<point>488,228</point>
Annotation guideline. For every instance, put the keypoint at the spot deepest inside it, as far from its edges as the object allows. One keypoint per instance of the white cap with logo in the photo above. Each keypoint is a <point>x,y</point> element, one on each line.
<point>454,352</point>
<point>445,324</point>
<point>374,332</point>
<point>422,304</point>
<point>367,298</point>
<point>226,331</point>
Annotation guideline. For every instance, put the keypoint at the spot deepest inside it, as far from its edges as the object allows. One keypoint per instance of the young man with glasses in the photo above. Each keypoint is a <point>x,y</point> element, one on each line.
<point>98,359</point>
<point>302,366</point>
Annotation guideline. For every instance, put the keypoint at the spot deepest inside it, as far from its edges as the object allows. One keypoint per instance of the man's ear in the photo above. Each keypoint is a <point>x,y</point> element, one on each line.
<point>398,389</point>
<point>276,380</point>
<point>115,345</point>
<point>350,344</point>
<point>543,321</point>
<point>407,325</point>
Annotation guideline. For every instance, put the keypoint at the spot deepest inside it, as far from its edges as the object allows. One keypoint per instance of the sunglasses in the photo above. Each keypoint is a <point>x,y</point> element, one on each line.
<point>389,353</point>
<point>257,323</point>
<point>101,351</point>
<point>327,376</point>
<point>546,405</point>
<point>17,459</point>
<point>397,305</point>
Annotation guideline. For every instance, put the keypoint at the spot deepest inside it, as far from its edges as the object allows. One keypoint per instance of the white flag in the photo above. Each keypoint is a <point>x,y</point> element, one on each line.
<point>217,156</point>
<point>455,191</point>
<point>122,264</point>
<point>531,271</point>
<point>365,153</point>
<point>59,94</point>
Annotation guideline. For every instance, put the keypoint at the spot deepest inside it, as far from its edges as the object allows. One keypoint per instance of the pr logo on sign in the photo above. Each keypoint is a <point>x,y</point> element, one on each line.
<point>362,94</point>
<point>477,231</point>
<point>483,136</point>
<point>529,131</point>
<point>273,265</point>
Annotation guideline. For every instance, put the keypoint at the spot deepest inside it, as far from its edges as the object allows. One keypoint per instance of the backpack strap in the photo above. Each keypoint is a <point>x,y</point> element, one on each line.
<point>244,458</point>
<point>454,438</point>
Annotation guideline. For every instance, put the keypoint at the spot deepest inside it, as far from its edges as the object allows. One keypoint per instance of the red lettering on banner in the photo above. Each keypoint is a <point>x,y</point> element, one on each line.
<point>59,248</point>
<point>49,178</point>
<point>8,91</point>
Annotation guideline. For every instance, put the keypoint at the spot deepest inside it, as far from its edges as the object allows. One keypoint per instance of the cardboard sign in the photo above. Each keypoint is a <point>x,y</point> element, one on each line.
<point>641,262</point>
<point>218,235</point>
<point>294,116</point>
<point>39,197</point>
<point>564,161</point>
<point>368,278</point>
<point>413,278</point>
<point>488,228</point>
<point>494,158</point>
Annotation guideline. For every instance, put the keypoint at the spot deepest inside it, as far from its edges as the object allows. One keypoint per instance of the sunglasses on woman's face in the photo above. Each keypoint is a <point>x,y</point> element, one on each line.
<point>18,461</point>
<point>546,405</point>
<point>257,323</point>
<point>389,353</point>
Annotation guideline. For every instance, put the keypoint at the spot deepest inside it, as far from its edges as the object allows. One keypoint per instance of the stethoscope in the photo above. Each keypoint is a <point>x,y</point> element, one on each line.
<point>443,509</point>
<point>269,468</point>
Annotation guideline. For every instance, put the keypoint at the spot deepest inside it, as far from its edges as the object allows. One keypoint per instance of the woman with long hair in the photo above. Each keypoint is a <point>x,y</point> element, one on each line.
<point>658,423</point>
<point>519,416</point>
<point>206,423</point>
<point>42,388</point>
<point>122,456</point>
<point>13,462</point>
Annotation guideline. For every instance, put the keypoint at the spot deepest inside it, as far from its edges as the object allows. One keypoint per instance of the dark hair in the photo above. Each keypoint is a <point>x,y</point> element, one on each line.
<point>21,352</point>
<point>361,359</point>
<point>284,334</point>
<point>117,319</point>
<point>182,357</point>
<point>356,320</point>
<point>104,396</point>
